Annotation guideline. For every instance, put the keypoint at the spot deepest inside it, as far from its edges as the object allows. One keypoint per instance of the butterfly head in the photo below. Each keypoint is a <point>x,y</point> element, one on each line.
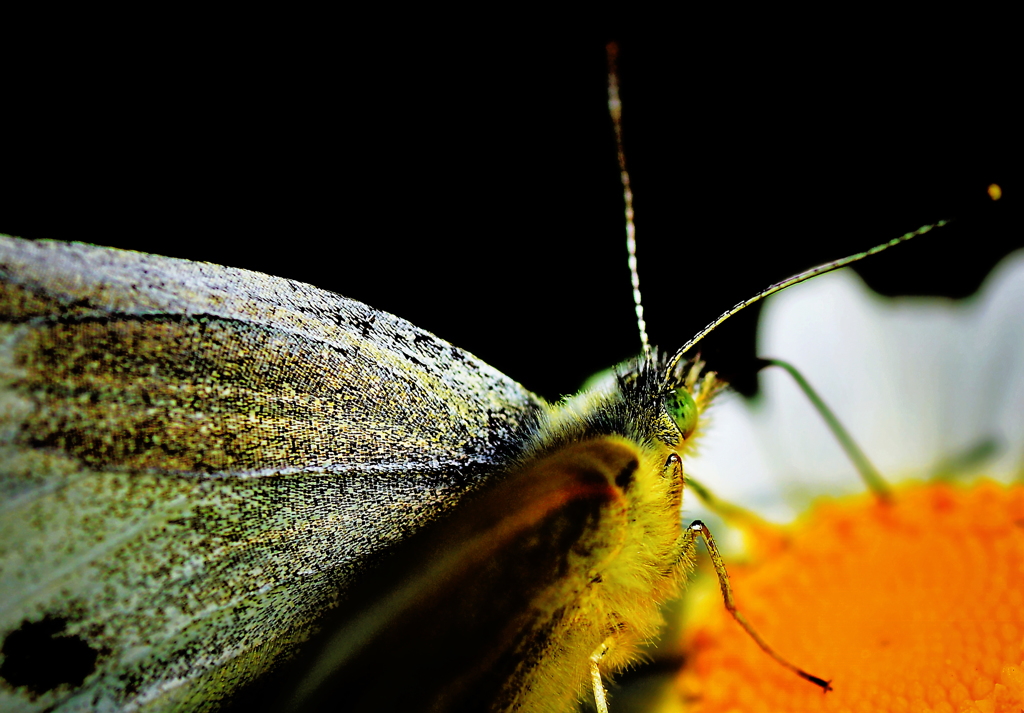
<point>665,405</point>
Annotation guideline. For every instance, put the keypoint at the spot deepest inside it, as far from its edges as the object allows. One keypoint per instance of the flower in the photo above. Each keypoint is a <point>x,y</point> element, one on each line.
<point>917,605</point>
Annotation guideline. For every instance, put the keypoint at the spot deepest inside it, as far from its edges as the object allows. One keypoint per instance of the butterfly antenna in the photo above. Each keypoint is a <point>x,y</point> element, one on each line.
<point>795,280</point>
<point>615,109</point>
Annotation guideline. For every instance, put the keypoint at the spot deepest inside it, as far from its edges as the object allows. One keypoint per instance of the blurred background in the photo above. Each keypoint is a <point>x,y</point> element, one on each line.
<point>468,183</point>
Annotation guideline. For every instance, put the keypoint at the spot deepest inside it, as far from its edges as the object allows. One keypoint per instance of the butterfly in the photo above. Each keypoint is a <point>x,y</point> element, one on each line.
<point>201,460</point>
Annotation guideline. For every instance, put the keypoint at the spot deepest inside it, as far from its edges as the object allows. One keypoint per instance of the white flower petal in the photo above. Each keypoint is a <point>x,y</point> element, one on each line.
<point>915,380</point>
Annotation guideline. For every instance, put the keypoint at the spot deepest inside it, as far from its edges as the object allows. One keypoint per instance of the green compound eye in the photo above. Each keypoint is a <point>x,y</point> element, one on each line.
<point>683,410</point>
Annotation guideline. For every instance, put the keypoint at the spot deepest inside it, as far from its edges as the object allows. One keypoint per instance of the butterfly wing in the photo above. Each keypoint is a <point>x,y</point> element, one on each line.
<point>198,460</point>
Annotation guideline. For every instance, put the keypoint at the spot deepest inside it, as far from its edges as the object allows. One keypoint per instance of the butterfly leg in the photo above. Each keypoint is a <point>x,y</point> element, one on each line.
<point>699,528</point>
<point>600,697</point>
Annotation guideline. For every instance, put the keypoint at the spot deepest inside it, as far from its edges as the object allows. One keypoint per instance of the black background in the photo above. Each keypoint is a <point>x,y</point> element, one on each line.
<point>468,182</point>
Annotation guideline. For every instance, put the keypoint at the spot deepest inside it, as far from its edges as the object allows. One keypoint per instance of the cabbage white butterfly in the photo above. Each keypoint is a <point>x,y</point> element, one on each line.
<point>687,269</point>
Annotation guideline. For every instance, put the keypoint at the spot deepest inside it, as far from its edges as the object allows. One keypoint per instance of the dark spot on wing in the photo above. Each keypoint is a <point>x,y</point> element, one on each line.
<point>39,657</point>
<point>365,326</point>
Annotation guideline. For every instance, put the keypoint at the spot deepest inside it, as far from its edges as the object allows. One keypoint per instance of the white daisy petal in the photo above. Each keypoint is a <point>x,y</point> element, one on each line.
<point>917,381</point>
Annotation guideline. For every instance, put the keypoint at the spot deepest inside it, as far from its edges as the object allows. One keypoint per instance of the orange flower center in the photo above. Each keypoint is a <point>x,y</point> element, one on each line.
<point>916,606</point>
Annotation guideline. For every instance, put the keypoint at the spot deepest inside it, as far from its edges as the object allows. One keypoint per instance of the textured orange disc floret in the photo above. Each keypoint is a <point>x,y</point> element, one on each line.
<point>917,606</point>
